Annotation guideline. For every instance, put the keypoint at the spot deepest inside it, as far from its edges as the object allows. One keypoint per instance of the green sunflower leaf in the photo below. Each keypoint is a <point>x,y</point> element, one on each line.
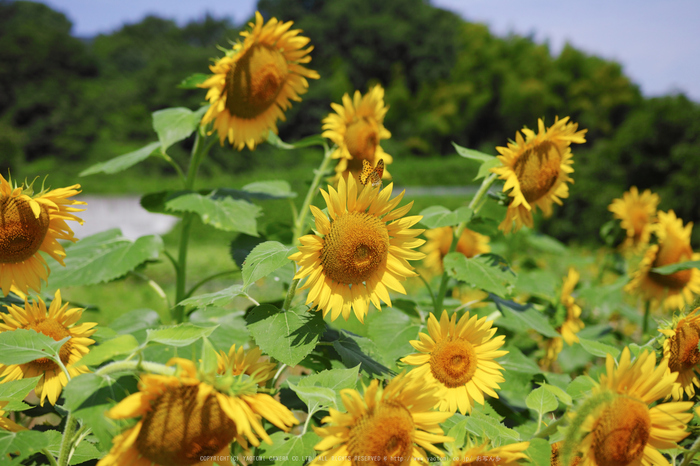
<point>178,335</point>
<point>599,349</point>
<point>24,443</point>
<point>217,298</point>
<point>354,350</point>
<point>580,387</point>
<point>103,257</point>
<point>315,140</point>
<point>485,168</point>
<point>22,345</point>
<point>222,213</point>
<point>122,162</point>
<point>193,81</point>
<point>264,259</point>
<point>289,449</point>
<point>275,189</point>
<point>485,272</point>
<point>438,216</point>
<point>123,344</point>
<point>539,452</point>
<point>532,319</point>
<point>15,391</point>
<point>542,401</point>
<point>677,267</point>
<point>316,398</point>
<point>473,154</point>
<point>286,336</point>
<point>333,380</point>
<point>231,326</point>
<point>392,332</point>
<point>175,124</point>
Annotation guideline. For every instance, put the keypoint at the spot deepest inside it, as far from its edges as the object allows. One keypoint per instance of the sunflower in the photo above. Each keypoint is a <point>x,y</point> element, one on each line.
<point>184,419</point>
<point>626,430</point>
<point>554,459</point>
<point>250,362</point>
<point>253,84</point>
<point>536,170</point>
<point>394,423</point>
<point>8,424</point>
<point>485,454</point>
<point>31,223</point>
<point>356,128</point>
<point>360,252</point>
<point>675,290</point>
<point>681,351</point>
<point>459,356</point>
<point>439,241</point>
<point>57,322</point>
<point>636,214</point>
<point>571,326</point>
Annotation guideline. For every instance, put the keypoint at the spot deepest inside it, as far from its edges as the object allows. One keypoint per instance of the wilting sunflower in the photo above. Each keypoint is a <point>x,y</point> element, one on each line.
<point>459,356</point>
<point>253,84</point>
<point>439,241</point>
<point>536,170</point>
<point>484,454</point>
<point>184,418</point>
<point>57,322</point>
<point>356,128</point>
<point>681,351</point>
<point>30,223</point>
<point>627,430</point>
<point>395,422</point>
<point>250,362</point>
<point>636,214</point>
<point>360,252</point>
<point>677,289</point>
<point>8,424</point>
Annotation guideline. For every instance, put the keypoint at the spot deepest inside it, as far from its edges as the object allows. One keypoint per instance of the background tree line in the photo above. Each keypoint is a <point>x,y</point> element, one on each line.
<point>69,102</point>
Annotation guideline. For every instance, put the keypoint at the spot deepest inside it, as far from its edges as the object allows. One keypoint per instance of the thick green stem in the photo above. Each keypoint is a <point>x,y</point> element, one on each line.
<point>550,429</point>
<point>199,150</point>
<point>67,440</point>
<point>475,204</point>
<point>645,324</point>
<point>49,456</point>
<point>125,366</point>
<point>300,224</point>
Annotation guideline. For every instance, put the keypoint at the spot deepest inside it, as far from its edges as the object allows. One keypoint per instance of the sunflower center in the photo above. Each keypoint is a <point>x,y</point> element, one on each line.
<point>21,233</point>
<point>639,218</point>
<point>57,331</point>
<point>673,250</point>
<point>537,170</point>
<point>355,248</point>
<point>554,459</point>
<point>684,348</point>
<point>621,432</point>
<point>255,80</point>
<point>361,139</point>
<point>383,436</point>
<point>453,362</point>
<point>179,428</point>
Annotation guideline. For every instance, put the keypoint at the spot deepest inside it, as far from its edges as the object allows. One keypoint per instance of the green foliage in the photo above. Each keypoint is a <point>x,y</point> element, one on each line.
<point>439,216</point>
<point>21,346</point>
<point>485,272</point>
<point>264,259</point>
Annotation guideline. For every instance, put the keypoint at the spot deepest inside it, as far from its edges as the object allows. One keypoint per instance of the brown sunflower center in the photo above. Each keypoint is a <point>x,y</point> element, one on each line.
<point>684,348</point>
<point>361,139</point>
<point>671,251</point>
<point>621,432</point>
<point>255,80</point>
<point>453,362</point>
<point>383,436</point>
<point>554,459</point>
<point>21,233</point>
<point>537,170</point>
<point>57,331</point>
<point>179,429</point>
<point>355,248</point>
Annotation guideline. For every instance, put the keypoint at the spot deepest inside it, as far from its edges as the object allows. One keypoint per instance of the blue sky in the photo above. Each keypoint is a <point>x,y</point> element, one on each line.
<point>656,41</point>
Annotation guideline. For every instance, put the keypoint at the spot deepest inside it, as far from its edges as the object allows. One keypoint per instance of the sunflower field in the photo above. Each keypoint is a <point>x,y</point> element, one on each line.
<point>367,332</point>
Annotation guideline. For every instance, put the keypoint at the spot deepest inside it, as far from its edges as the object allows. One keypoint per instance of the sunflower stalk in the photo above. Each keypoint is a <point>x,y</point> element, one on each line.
<point>67,440</point>
<point>476,204</point>
<point>199,150</point>
<point>126,366</point>
<point>690,454</point>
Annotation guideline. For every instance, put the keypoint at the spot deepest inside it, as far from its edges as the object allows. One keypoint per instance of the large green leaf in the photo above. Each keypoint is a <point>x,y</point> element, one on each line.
<point>175,124</point>
<point>289,449</point>
<point>193,81</point>
<point>392,332</point>
<point>14,391</point>
<point>488,427</point>
<point>103,257</point>
<point>122,162</point>
<point>123,344</point>
<point>333,380</point>
<point>178,335</point>
<point>286,336</point>
<point>315,397</point>
<point>539,452</point>
<point>22,345</point>
<point>473,154</point>
<point>546,244</point>
<point>599,349</point>
<point>677,267</point>
<point>485,272</point>
<point>533,319</point>
<point>580,387</point>
<point>24,443</point>
<point>354,350</point>
<point>223,213</point>
<point>217,298</point>
<point>438,216</point>
<point>264,259</point>
<point>542,401</point>
<point>276,189</point>
<point>231,326</point>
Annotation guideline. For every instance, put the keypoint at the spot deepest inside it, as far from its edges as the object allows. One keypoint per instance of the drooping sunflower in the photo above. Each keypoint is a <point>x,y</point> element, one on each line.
<point>254,83</point>
<point>627,430</point>
<point>30,223</point>
<point>357,127</point>
<point>8,424</point>
<point>359,252</point>
<point>439,241</point>
<point>677,289</point>
<point>459,356</point>
<point>57,322</point>
<point>483,454</point>
<point>681,351</point>
<point>536,170</point>
<point>239,361</point>
<point>395,422</point>
<point>184,418</point>
<point>636,214</point>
